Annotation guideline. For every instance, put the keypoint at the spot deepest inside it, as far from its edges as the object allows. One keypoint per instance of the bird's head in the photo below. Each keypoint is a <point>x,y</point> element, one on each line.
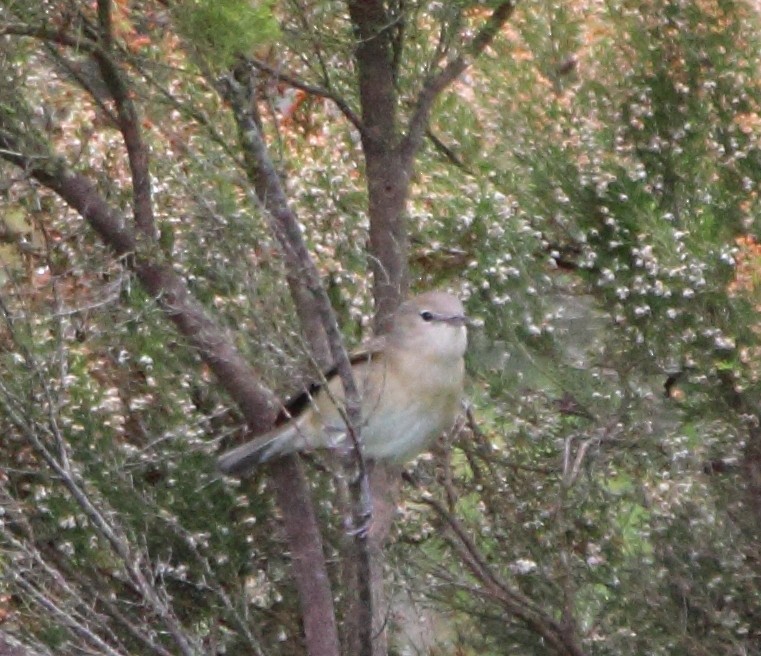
<point>434,324</point>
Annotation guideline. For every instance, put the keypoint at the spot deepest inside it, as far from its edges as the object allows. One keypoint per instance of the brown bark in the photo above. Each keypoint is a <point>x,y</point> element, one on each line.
<point>389,160</point>
<point>235,374</point>
<point>384,486</point>
<point>321,327</point>
<point>389,155</point>
<point>387,187</point>
<point>129,124</point>
<point>387,179</point>
<point>307,557</point>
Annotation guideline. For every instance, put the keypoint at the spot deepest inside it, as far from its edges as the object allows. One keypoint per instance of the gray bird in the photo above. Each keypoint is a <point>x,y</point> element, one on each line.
<point>410,383</point>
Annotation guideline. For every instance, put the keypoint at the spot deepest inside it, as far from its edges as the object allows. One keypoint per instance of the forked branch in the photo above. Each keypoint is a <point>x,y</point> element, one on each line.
<point>441,79</point>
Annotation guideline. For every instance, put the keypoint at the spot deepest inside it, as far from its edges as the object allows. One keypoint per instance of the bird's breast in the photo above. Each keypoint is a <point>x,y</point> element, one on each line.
<point>413,404</point>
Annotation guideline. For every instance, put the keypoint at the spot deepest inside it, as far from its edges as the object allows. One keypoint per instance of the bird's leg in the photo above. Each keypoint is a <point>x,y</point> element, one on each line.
<point>360,522</point>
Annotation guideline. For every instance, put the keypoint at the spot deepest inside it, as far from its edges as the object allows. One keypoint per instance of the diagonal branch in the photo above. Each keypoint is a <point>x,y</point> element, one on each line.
<point>311,89</point>
<point>287,230</point>
<point>234,373</point>
<point>306,288</point>
<point>171,293</point>
<point>513,601</point>
<point>440,80</point>
<point>129,124</point>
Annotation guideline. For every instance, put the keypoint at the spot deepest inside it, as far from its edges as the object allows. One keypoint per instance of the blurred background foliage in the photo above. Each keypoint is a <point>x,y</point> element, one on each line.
<point>590,187</point>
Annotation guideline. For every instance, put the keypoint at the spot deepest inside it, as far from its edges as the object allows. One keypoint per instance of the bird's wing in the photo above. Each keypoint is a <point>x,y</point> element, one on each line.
<point>297,404</point>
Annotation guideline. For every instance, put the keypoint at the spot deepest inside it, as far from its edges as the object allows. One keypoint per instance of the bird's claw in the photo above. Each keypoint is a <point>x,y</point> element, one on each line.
<point>363,529</point>
<point>359,525</point>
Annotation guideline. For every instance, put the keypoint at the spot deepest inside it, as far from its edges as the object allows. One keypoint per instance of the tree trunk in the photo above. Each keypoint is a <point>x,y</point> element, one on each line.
<point>387,180</point>
<point>388,187</point>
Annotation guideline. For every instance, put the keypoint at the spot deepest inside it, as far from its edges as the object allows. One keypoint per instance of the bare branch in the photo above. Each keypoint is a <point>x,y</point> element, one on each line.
<point>312,90</point>
<point>129,125</point>
<point>83,44</point>
<point>512,600</point>
<point>447,152</point>
<point>83,595</point>
<point>287,229</point>
<point>44,33</point>
<point>92,85</point>
<point>388,176</point>
<point>234,373</point>
<point>306,287</point>
<point>439,81</point>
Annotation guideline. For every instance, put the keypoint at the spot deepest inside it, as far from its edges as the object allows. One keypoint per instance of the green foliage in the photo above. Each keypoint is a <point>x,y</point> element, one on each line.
<point>636,173</point>
<point>222,30</point>
<point>597,226</point>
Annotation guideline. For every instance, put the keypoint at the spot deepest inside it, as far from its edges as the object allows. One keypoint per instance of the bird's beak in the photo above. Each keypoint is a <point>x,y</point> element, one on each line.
<point>457,320</point>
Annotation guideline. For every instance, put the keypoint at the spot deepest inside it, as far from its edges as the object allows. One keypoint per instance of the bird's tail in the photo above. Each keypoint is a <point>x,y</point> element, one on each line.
<point>269,446</point>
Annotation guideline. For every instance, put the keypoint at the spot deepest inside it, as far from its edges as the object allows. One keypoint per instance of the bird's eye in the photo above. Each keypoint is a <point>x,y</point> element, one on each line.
<point>426,315</point>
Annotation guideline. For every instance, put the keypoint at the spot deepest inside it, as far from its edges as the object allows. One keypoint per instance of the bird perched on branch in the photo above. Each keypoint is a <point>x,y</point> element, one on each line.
<point>410,384</point>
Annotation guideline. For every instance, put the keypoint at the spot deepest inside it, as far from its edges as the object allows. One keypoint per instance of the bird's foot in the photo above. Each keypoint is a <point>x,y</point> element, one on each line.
<point>361,520</point>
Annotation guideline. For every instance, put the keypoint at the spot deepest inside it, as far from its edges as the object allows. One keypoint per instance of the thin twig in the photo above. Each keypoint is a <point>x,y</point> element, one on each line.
<point>118,542</point>
<point>437,82</point>
<point>447,152</point>
<point>515,602</point>
<point>311,89</point>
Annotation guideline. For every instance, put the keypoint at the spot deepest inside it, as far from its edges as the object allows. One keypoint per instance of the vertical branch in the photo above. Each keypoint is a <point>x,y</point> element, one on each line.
<point>389,162</point>
<point>388,176</point>
<point>390,157</point>
<point>106,23</point>
<point>307,557</point>
<point>305,281</point>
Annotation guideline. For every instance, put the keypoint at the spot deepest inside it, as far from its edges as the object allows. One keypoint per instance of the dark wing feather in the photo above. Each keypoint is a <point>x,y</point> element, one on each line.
<point>297,404</point>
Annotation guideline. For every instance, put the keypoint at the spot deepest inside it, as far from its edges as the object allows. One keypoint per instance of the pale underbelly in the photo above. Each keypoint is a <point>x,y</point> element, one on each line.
<point>403,434</point>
